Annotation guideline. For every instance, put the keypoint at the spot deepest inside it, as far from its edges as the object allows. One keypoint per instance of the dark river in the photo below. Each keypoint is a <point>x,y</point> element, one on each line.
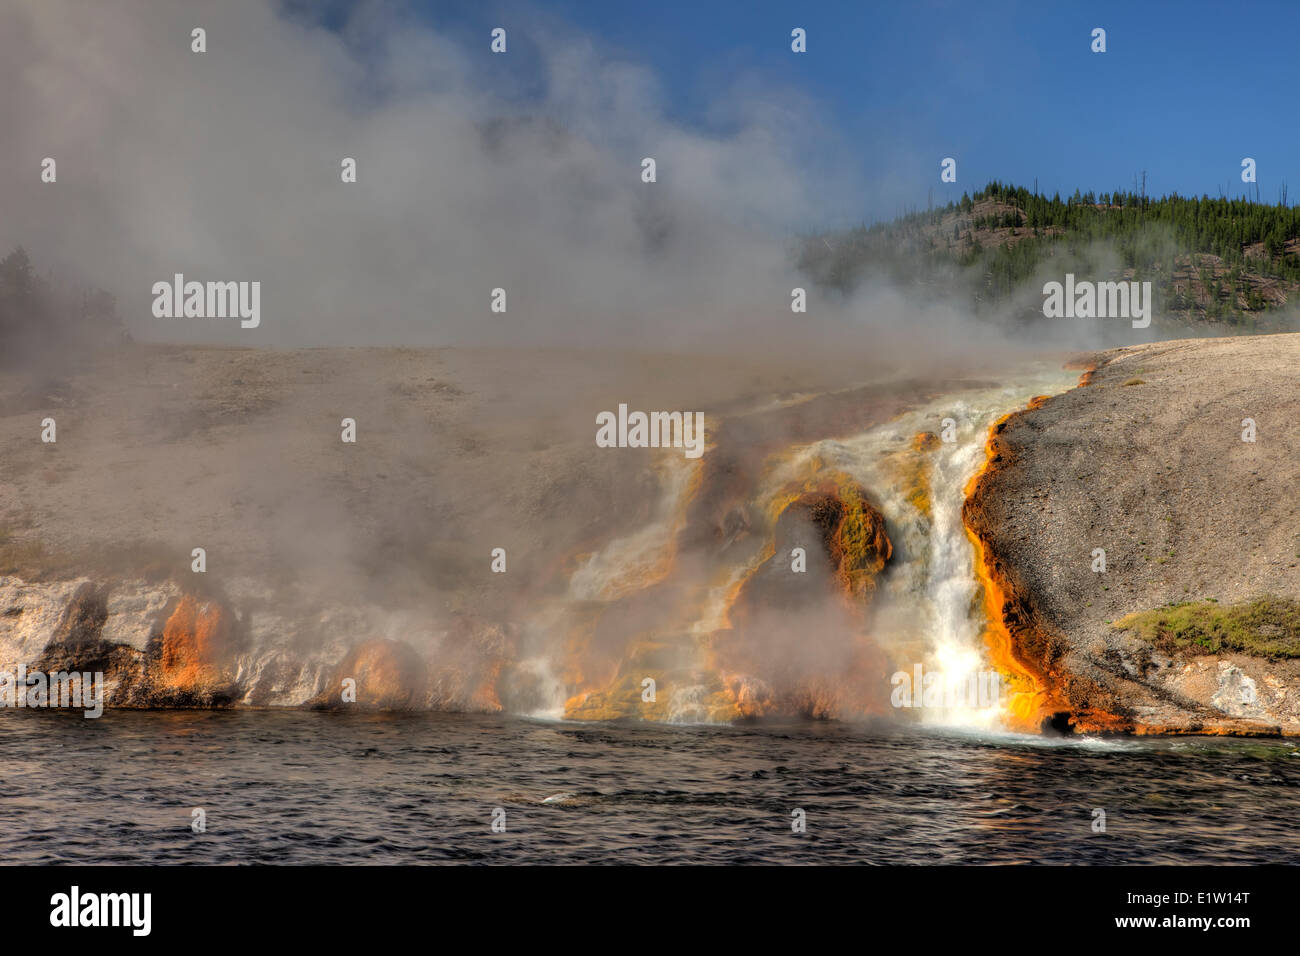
<point>305,787</point>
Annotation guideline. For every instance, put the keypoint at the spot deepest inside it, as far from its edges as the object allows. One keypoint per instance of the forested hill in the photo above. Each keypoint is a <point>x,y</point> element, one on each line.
<point>1225,262</point>
<point>46,315</point>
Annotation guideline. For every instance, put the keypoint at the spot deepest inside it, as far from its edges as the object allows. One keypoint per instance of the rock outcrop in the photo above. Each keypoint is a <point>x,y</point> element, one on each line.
<point>797,640</point>
<point>1144,472</point>
<point>159,646</point>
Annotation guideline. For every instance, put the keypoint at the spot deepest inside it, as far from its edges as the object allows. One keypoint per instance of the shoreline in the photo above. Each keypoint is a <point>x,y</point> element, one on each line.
<point>1066,477</point>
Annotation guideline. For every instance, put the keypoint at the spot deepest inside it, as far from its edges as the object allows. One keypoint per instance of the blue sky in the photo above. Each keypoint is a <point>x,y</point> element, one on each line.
<point>1010,89</point>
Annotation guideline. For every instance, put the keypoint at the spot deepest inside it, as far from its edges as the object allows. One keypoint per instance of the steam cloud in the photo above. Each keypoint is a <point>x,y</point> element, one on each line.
<point>225,164</point>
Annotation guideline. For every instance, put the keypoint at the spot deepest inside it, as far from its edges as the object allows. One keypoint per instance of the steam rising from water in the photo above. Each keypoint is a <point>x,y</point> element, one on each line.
<point>927,609</point>
<point>643,558</point>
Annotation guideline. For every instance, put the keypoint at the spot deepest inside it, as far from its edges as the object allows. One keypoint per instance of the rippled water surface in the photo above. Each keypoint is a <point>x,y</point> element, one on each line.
<point>303,787</point>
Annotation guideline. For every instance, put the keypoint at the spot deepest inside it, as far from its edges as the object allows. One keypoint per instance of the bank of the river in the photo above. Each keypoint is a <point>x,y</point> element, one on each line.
<point>1152,464</point>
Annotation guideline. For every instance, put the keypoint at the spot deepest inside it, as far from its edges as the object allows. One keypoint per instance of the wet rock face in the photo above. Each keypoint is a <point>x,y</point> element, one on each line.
<point>84,618</point>
<point>385,674</point>
<point>720,514</point>
<point>77,645</point>
<point>809,523</point>
<point>158,647</point>
<point>1237,693</point>
<point>1148,462</point>
<point>844,544</point>
<point>77,640</point>
<point>194,660</point>
<point>676,693</point>
<point>859,546</point>
<point>790,628</point>
<point>376,675</point>
<point>155,646</point>
<point>183,664</point>
<point>797,615</point>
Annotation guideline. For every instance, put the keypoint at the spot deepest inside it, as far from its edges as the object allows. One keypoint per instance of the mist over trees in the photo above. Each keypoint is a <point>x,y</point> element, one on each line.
<point>41,316</point>
<point>1233,262</point>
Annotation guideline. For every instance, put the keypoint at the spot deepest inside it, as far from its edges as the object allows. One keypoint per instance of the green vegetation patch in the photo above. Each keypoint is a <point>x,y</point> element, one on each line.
<point>1267,627</point>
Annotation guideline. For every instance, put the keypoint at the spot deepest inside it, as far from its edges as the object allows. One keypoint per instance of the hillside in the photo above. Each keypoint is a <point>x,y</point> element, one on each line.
<point>1228,263</point>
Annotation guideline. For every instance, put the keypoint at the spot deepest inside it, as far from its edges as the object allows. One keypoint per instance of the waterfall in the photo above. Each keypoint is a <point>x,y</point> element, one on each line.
<point>927,614</point>
<point>928,611</point>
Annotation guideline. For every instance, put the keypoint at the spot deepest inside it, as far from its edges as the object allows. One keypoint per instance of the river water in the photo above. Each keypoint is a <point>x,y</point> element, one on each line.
<point>308,787</point>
